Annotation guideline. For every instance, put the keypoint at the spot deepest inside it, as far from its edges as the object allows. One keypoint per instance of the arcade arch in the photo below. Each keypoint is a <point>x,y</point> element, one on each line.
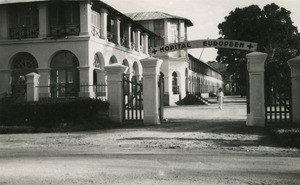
<point>64,75</point>
<point>98,72</point>
<point>22,64</point>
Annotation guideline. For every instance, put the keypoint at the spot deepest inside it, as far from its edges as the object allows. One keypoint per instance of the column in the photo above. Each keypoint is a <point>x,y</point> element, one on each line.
<point>146,39</point>
<point>4,23</point>
<point>117,34</point>
<point>32,89</point>
<point>86,81</point>
<point>256,69</point>
<point>128,35</point>
<point>103,23</point>
<point>151,72</point>
<point>43,20</point>
<point>85,18</point>
<point>44,82</point>
<point>115,91</point>
<point>295,77</point>
<point>5,78</point>
<point>142,43</point>
<point>137,40</point>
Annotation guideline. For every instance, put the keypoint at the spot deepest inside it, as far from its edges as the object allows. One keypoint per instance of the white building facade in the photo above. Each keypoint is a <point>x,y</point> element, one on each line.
<point>66,42</point>
<point>69,42</point>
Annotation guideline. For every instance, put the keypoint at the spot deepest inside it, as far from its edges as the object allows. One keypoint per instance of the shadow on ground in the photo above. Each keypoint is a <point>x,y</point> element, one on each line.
<point>211,133</point>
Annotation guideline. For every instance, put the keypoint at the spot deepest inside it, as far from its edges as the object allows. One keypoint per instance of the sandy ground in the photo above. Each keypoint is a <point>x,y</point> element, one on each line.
<point>196,145</point>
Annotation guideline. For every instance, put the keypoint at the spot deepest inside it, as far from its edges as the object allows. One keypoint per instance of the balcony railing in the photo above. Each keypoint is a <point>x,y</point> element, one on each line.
<point>110,37</point>
<point>123,41</point>
<point>23,32</point>
<point>64,30</point>
<point>96,31</point>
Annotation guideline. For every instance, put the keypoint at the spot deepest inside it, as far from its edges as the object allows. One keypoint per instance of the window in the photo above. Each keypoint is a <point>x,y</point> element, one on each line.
<point>159,29</point>
<point>175,87</point>
<point>173,32</point>
<point>95,19</point>
<point>24,15</point>
<point>64,13</point>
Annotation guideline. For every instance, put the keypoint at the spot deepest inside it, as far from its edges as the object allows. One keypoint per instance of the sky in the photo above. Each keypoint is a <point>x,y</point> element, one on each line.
<point>205,15</point>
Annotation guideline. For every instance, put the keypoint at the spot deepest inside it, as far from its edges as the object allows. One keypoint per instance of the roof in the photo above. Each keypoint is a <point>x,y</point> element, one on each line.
<point>96,3</point>
<point>141,16</point>
<point>191,57</point>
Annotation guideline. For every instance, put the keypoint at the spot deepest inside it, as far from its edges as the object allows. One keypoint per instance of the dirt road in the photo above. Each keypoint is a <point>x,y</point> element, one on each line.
<point>197,145</point>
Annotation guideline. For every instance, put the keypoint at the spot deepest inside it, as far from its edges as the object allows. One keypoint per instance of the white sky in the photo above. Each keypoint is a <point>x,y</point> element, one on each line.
<point>205,15</point>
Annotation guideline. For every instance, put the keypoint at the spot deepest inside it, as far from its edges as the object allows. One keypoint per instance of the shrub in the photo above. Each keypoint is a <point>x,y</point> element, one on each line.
<point>51,113</point>
<point>287,137</point>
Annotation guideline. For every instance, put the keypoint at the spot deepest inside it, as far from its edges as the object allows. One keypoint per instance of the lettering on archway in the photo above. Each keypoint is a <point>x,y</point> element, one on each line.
<point>208,43</point>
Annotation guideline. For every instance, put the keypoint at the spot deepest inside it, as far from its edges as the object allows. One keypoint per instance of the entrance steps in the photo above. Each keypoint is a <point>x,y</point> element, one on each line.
<point>203,100</point>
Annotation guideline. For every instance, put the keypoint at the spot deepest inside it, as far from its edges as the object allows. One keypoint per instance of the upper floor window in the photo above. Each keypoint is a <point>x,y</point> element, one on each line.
<point>173,32</point>
<point>64,13</point>
<point>64,19</point>
<point>95,19</point>
<point>159,29</point>
<point>23,21</point>
<point>23,15</point>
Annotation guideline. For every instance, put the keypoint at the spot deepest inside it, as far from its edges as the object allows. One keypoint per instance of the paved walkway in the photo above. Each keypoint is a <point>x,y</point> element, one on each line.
<point>234,108</point>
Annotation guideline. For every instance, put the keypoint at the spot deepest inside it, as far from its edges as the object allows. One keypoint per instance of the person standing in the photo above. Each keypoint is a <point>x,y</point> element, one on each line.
<point>220,98</point>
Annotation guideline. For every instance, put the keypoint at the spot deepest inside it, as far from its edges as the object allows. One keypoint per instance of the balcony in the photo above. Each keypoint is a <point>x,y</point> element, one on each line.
<point>65,30</point>
<point>23,32</point>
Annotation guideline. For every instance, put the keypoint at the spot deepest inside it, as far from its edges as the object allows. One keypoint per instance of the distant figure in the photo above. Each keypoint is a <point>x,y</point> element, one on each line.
<point>220,98</point>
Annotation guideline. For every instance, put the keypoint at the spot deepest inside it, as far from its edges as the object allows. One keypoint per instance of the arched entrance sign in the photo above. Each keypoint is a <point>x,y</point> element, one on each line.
<point>208,43</point>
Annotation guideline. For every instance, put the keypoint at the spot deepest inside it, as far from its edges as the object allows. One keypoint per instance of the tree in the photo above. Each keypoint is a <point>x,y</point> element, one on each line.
<point>270,27</point>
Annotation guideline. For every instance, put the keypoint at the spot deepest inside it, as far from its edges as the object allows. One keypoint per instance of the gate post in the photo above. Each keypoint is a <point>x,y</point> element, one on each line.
<point>115,90</point>
<point>295,77</point>
<point>151,72</point>
<point>256,69</point>
<point>32,89</point>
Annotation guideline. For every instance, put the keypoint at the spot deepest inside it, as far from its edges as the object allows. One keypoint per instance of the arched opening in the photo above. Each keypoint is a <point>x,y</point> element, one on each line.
<point>135,71</point>
<point>126,63</point>
<point>98,73</point>
<point>22,64</point>
<point>175,87</point>
<point>186,81</point>
<point>64,75</point>
<point>113,60</point>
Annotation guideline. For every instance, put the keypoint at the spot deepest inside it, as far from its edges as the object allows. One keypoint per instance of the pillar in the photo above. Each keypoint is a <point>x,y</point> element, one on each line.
<point>146,44</point>
<point>4,22</point>
<point>43,20</point>
<point>256,69</point>
<point>32,89</point>
<point>103,23</point>
<point>44,82</point>
<point>142,43</point>
<point>5,78</point>
<point>85,18</point>
<point>117,34</point>
<point>115,90</point>
<point>137,40</point>
<point>86,81</point>
<point>128,35</point>
<point>151,72</point>
<point>295,77</point>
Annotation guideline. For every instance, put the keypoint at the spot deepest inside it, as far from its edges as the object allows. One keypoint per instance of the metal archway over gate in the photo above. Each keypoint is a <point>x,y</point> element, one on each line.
<point>208,43</point>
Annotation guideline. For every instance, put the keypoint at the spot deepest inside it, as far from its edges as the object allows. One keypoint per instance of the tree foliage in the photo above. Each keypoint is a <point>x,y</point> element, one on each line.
<point>270,27</point>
